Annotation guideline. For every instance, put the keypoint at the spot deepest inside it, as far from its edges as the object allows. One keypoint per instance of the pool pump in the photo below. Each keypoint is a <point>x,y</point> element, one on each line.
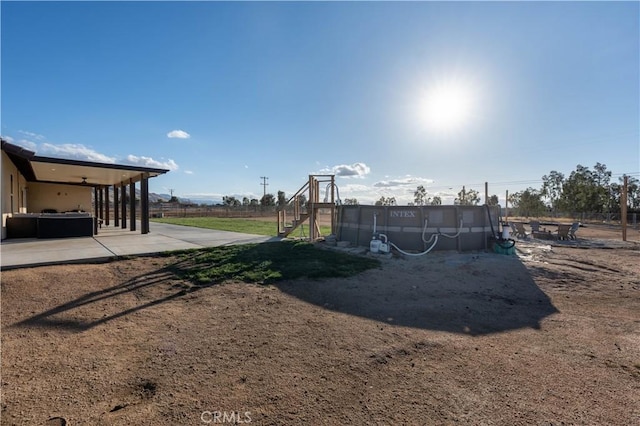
<point>379,244</point>
<point>501,242</point>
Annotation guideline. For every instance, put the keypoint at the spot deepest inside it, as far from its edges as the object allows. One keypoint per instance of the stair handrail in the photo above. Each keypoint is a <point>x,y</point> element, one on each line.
<point>300,191</point>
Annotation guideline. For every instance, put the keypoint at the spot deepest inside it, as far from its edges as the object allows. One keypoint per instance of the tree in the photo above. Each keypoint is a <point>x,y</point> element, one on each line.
<point>493,200</point>
<point>254,202</point>
<point>351,202</point>
<point>587,191</point>
<point>528,202</point>
<point>437,201</point>
<point>514,199</point>
<point>552,188</point>
<point>230,201</point>
<point>268,200</point>
<point>420,196</point>
<point>282,199</point>
<point>582,191</point>
<point>633,194</point>
<point>173,199</point>
<point>469,197</point>
<point>384,201</point>
<point>601,175</point>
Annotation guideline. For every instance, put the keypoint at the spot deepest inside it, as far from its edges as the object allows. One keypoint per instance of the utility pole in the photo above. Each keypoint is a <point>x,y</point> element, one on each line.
<point>623,207</point>
<point>264,184</point>
<point>506,207</point>
<point>486,193</point>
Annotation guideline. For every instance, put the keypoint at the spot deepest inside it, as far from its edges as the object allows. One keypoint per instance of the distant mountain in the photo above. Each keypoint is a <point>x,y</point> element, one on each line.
<point>156,198</point>
<point>153,197</point>
<point>208,201</point>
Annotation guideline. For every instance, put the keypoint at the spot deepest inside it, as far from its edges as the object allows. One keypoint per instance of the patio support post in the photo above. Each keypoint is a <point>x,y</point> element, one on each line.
<point>100,203</point>
<point>123,205</point>
<point>116,206</point>
<point>106,205</point>
<point>144,204</point>
<point>132,205</point>
<point>95,210</point>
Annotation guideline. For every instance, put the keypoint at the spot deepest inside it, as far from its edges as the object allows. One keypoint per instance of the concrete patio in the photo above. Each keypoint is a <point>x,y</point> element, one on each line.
<point>112,241</point>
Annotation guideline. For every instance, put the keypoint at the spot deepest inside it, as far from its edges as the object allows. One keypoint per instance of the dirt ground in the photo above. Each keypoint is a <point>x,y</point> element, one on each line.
<point>550,336</point>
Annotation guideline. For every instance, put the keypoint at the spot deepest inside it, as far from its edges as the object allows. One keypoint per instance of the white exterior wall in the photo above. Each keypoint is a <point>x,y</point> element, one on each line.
<point>13,191</point>
<point>59,197</point>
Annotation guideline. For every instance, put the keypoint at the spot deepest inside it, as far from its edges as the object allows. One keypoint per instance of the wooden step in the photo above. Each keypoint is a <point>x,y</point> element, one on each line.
<point>288,229</point>
<point>303,217</point>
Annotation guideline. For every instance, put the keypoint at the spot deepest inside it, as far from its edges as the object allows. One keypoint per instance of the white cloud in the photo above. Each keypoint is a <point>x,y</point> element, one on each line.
<point>32,135</point>
<point>354,187</point>
<point>188,172</point>
<point>74,151</point>
<point>357,170</point>
<point>150,162</point>
<point>404,181</point>
<point>31,146</point>
<point>178,134</point>
<point>363,193</point>
<point>83,153</point>
<point>402,189</point>
<point>25,142</point>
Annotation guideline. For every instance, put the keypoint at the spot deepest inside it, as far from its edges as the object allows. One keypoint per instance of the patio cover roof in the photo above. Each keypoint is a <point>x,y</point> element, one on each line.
<point>59,170</point>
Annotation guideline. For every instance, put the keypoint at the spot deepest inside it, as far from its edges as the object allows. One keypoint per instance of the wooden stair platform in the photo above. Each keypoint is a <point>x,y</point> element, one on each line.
<point>313,205</point>
<point>288,229</point>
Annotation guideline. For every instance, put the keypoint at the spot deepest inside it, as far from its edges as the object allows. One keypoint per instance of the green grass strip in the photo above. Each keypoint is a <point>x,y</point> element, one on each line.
<point>267,263</point>
<point>255,227</point>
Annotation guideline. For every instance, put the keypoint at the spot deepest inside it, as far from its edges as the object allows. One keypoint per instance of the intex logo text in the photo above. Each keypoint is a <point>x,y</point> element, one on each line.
<point>402,213</point>
<point>234,417</point>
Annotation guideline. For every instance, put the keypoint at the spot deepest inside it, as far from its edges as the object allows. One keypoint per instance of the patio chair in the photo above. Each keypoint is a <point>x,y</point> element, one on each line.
<point>514,230</point>
<point>520,231</point>
<point>573,229</point>
<point>563,232</point>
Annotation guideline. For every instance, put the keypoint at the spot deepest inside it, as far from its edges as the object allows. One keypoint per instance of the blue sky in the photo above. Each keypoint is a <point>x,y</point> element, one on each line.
<point>224,93</point>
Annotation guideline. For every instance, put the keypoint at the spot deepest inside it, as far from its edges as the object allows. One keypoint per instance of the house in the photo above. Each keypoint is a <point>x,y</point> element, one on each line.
<point>54,197</point>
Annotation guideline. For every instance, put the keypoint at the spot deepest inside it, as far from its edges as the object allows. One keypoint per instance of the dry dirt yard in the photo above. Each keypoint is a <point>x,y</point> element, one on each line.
<point>550,336</point>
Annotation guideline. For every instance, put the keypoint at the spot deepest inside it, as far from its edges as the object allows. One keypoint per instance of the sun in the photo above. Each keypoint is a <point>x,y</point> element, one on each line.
<point>447,106</point>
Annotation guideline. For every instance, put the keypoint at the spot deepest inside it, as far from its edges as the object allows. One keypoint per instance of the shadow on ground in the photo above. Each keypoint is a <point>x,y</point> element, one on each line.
<point>101,306</point>
<point>473,294</point>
